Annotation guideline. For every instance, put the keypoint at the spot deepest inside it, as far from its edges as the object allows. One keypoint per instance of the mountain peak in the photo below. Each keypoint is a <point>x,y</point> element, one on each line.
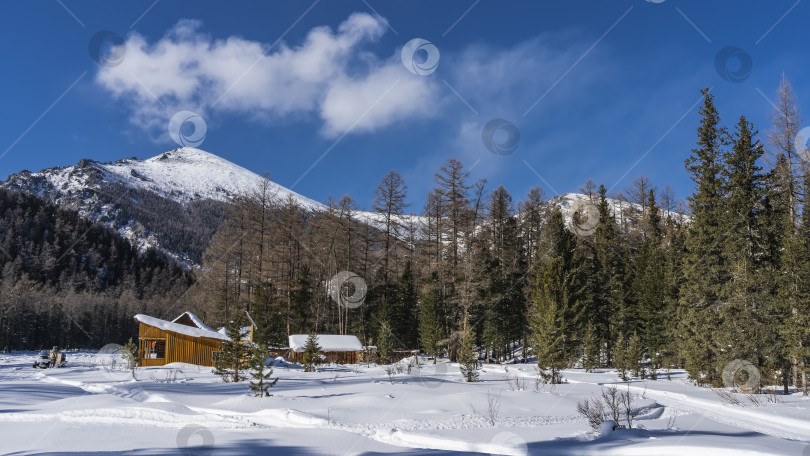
<point>186,154</point>
<point>187,174</point>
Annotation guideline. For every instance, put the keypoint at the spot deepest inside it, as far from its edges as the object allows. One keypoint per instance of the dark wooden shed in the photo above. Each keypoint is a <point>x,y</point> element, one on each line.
<point>338,349</point>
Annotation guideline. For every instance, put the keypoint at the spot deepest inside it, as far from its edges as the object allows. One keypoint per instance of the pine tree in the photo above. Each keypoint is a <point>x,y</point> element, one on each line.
<point>385,343</point>
<point>558,300</point>
<point>431,326</point>
<point>129,352</point>
<point>634,354</point>
<point>607,276</point>
<point>266,313</point>
<point>620,357</point>
<point>468,358</point>
<point>703,267</point>
<point>301,297</point>
<point>230,360</point>
<point>649,285</point>
<point>742,296</point>
<point>312,353</point>
<point>259,372</point>
<point>792,301</point>
<point>591,353</point>
<point>405,317</point>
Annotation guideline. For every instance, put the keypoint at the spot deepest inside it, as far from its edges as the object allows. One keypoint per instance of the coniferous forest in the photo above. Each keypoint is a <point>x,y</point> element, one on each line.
<point>653,283</point>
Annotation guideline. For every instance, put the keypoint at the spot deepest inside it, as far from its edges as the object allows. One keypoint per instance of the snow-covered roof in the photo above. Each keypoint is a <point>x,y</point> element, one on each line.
<point>245,330</point>
<point>328,343</point>
<point>251,319</point>
<point>194,319</point>
<point>180,329</point>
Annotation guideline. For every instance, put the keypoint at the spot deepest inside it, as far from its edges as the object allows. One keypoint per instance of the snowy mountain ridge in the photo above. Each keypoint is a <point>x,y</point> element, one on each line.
<point>183,175</point>
<point>144,198</point>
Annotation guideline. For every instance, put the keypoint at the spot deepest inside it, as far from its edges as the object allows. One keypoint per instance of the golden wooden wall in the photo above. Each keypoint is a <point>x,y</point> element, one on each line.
<point>193,350</point>
<point>180,347</point>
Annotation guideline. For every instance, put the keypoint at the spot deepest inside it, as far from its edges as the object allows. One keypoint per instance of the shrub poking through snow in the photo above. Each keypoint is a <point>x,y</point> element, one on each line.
<point>593,410</point>
<point>611,406</point>
<point>260,382</point>
<point>493,407</point>
<point>312,355</point>
<point>468,358</point>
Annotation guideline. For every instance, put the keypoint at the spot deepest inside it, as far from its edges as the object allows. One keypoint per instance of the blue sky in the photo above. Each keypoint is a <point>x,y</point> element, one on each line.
<point>591,86</point>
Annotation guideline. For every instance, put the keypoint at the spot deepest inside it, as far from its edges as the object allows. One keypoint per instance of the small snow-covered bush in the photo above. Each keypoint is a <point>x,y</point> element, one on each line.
<point>611,405</point>
<point>493,407</point>
<point>593,410</point>
<point>517,383</point>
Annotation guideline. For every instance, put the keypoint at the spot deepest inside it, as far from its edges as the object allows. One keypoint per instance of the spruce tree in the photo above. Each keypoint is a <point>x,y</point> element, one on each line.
<point>607,275</point>
<point>649,285</point>
<point>385,343</point>
<point>468,357</point>
<point>405,318</point>
<point>431,326</point>
<point>266,313</point>
<point>620,357</point>
<point>231,359</point>
<point>744,293</point>
<point>591,350</point>
<point>703,266</point>
<point>558,300</point>
<point>301,298</point>
<point>312,353</point>
<point>634,354</point>
<point>260,374</point>
<point>129,352</point>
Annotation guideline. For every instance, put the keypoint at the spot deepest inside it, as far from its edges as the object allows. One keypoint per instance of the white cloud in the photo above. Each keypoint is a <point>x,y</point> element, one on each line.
<point>189,70</point>
<point>330,76</point>
<point>383,97</point>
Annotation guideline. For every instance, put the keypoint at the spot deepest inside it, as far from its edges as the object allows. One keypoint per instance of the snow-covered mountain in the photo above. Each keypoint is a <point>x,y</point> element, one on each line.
<point>174,201</point>
<point>167,201</point>
<point>626,213</point>
<point>183,175</point>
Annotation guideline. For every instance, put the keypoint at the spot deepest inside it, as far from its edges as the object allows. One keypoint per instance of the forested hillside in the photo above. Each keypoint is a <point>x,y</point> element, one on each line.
<point>613,288</point>
<point>70,282</point>
<point>620,280</point>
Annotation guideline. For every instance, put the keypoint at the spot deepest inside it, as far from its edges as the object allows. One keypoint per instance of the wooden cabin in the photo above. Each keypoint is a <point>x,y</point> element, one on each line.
<point>334,348</point>
<point>186,339</point>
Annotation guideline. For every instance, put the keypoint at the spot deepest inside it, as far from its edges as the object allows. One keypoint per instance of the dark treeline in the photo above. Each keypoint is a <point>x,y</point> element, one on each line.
<point>70,282</point>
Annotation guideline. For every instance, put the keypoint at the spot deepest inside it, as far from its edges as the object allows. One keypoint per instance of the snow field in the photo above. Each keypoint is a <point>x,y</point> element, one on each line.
<point>94,406</point>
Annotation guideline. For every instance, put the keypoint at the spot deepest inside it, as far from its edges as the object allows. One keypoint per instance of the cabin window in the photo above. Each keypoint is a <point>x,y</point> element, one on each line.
<point>152,348</point>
